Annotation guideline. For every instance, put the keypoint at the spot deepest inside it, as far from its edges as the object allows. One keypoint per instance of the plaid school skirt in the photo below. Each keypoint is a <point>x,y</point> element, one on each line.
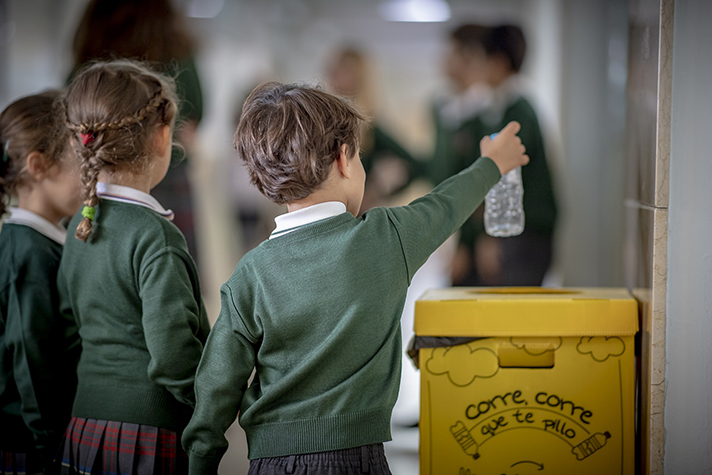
<point>18,463</point>
<point>93,446</point>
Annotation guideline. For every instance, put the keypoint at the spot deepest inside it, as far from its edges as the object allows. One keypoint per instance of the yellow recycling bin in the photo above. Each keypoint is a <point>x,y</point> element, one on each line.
<point>546,388</point>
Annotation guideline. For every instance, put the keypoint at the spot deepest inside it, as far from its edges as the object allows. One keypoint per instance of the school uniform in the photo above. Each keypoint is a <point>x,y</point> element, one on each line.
<point>38,348</point>
<point>527,257</point>
<point>134,291</point>
<point>460,125</point>
<point>316,309</point>
<point>458,130</point>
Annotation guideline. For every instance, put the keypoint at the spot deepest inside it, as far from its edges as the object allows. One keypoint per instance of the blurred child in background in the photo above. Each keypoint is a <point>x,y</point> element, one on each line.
<point>521,260</point>
<point>389,167</point>
<point>483,65</point>
<point>458,130</point>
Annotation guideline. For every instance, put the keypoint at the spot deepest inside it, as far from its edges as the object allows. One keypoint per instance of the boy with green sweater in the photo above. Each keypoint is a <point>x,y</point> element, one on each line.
<point>316,308</point>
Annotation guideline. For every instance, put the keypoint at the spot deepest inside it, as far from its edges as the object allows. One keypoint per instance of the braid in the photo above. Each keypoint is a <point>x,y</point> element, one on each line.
<point>153,105</point>
<point>89,176</point>
<point>91,165</point>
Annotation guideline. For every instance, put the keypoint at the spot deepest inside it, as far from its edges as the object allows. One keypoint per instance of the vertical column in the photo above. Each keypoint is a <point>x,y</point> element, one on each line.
<point>649,100</point>
<point>688,380</point>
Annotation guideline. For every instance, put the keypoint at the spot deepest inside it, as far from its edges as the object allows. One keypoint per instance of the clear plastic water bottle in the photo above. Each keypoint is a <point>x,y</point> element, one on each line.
<point>504,212</point>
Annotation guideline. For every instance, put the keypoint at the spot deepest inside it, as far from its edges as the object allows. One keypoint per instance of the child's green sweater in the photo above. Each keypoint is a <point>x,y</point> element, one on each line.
<point>317,313</point>
<point>134,292</point>
<point>38,349</point>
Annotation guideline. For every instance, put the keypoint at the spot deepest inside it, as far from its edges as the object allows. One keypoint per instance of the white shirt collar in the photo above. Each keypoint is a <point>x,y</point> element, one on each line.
<point>125,194</point>
<point>505,95</point>
<point>466,104</point>
<point>38,223</point>
<point>288,222</point>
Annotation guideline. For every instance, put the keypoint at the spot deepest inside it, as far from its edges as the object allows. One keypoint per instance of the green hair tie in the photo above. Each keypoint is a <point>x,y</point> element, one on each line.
<point>88,212</point>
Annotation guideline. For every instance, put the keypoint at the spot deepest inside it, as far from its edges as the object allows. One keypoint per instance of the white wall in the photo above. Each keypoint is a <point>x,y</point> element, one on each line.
<point>688,408</point>
<point>591,181</point>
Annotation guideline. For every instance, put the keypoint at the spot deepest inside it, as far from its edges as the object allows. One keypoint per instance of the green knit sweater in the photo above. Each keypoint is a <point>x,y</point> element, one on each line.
<point>38,349</point>
<point>134,292</point>
<point>317,313</point>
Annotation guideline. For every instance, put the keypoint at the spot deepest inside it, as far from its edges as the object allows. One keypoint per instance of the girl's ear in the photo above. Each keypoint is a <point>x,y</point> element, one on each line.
<point>37,165</point>
<point>162,139</point>
<point>344,162</point>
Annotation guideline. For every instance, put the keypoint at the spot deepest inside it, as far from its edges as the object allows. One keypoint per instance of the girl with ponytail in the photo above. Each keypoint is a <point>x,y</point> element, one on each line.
<point>128,280</point>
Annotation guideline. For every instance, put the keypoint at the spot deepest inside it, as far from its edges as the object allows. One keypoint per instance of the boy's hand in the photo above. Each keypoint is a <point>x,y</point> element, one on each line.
<point>505,150</point>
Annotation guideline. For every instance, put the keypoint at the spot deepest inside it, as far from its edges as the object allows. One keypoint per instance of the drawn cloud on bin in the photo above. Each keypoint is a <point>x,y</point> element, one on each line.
<point>601,347</point>
<point>536,346</point>
<point>463,365</point>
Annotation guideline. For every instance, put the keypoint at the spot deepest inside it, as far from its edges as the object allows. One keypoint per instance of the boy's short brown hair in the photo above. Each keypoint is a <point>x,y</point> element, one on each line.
<point>289,135</point>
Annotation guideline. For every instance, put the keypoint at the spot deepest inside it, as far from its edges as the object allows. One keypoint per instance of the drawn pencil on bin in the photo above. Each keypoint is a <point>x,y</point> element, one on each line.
<point>591,445</point>
<point>466,441</point>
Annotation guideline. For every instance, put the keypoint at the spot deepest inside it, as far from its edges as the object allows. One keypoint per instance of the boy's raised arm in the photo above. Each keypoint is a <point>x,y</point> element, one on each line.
<point>427,222</point>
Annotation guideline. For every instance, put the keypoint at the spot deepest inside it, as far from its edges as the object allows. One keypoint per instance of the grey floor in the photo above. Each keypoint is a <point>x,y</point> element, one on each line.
<point>402,451</point>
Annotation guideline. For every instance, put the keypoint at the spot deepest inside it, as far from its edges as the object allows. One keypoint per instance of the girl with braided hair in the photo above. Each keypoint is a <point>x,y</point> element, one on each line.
<point>154,31</point>
<point>38,349</point>
<point>128,280</point>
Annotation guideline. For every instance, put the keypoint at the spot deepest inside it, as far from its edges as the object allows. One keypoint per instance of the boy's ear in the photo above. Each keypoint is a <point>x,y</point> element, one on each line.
<point>37,165</point>
<point>343,163</point>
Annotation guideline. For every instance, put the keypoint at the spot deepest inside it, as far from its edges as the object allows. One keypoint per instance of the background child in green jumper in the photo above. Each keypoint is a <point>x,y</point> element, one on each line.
<point>38,349</point>
<point>128,280</point>
<point>521,260</point>
<point>316,308</point>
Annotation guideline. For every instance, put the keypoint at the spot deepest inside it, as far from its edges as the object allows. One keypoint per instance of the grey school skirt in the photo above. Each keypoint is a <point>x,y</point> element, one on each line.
<point>369,459</point>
